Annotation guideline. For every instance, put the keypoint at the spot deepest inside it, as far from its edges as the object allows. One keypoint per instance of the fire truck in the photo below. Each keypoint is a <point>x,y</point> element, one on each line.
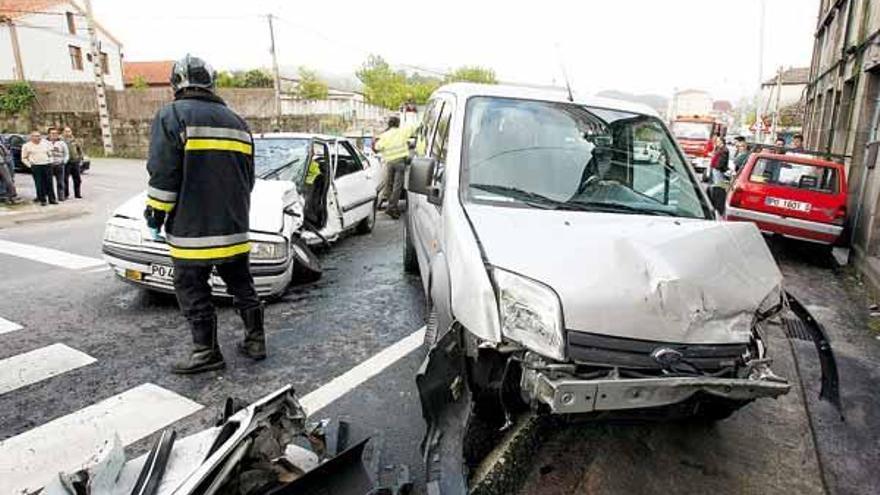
<point>694,134</point>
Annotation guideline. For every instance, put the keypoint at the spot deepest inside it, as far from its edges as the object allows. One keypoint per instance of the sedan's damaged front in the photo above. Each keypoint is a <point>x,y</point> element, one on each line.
<point>619,297</point>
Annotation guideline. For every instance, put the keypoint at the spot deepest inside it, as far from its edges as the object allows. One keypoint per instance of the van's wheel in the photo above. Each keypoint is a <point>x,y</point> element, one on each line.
<point>366,225</point>
<point>410,263</point>
<point>306,267</point>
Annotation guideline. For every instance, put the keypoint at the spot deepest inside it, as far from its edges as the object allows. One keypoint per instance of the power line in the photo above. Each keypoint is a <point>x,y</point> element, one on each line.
<point>42,12</point>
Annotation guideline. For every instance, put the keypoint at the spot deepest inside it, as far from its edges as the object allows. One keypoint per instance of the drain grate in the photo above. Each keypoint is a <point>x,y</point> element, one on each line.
<point>796,329</point>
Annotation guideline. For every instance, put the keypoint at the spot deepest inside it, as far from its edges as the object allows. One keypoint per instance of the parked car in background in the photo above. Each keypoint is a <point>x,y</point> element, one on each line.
<point>14,142</point>
<point>287,215</point>
<point>794,195</point>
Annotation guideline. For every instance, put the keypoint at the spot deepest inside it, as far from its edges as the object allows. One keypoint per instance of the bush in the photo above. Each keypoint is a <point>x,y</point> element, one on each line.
<point>16,98</point>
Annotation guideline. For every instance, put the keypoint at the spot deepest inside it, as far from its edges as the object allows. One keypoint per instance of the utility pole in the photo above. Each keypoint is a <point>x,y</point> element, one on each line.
<point>100,90</point>
<point>775,126</point>
<point>16,49</point>
<point>277,77</point>
<point>759,122</point>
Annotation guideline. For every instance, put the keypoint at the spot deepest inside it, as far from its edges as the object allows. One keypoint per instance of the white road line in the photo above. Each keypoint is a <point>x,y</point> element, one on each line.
<point>37,365</point>
<point>100,269</point>
<point>49,256</point>
<point>344,383</point>
<point>28,460</point>
<point>7,326</point>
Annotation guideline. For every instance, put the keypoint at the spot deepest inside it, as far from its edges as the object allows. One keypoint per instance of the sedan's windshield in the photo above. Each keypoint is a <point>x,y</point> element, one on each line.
<point>568,156</point>
<point>280,158</point>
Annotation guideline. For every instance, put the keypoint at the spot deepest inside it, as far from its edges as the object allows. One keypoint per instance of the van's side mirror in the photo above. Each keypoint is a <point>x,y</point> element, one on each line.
<point>420,173</point>
<point>718,198</point>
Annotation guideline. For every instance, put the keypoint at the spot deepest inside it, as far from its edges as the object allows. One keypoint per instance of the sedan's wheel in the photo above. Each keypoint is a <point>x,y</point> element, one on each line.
<point>366,225</point>
<point>306,267</point>
<point>410,263</point>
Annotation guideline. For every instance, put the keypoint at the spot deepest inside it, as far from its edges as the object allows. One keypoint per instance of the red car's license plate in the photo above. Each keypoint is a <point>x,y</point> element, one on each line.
<point>789,204</point>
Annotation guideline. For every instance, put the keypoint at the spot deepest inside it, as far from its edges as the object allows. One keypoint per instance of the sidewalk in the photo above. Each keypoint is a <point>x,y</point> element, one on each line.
<point>28,211</point>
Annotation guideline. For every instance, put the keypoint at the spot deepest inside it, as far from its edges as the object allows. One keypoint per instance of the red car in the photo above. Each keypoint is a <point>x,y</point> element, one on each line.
<point>794,195</point>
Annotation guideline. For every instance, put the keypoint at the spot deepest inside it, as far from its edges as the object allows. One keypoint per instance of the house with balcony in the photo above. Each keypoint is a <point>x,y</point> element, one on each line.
<point>48,41</point>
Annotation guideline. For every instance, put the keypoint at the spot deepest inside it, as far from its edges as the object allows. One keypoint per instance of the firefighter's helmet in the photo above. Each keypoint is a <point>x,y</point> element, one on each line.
<point>192,72</point>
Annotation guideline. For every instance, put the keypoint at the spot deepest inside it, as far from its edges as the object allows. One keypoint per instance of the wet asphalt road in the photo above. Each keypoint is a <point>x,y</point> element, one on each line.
<point>365,303</point>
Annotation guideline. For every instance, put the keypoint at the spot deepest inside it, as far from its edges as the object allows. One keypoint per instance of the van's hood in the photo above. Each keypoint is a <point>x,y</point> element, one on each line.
<point>268,200</point>
<point>642,277</point>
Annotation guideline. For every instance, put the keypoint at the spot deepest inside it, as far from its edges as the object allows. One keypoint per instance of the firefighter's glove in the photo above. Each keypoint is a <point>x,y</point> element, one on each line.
<point>155,218</point>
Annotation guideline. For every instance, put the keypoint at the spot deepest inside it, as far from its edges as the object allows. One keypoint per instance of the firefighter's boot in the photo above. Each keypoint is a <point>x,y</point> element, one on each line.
<point>254,343</point>
<point>206,351</point>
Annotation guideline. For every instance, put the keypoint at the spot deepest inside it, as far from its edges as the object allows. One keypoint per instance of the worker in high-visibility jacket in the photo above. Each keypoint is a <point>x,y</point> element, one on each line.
<point>201,167</point>
<point>393,145</point>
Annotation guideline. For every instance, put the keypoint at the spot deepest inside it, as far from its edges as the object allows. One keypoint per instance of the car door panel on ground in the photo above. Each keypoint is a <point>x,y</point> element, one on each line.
<point>355,188</point>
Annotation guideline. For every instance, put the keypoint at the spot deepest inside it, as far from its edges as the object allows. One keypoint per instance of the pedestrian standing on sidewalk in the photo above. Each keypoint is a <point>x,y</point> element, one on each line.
<point>74,164</point>
<point>35,154</point>
<point>797,142</point>
<point>720,158</point>
<point>8,194</point>
<point>742,154</point>
<point>58,156</point>
<point>201,166</point>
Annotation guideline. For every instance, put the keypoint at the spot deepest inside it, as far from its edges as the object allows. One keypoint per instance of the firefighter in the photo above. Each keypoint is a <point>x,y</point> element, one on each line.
<point>201,168</point>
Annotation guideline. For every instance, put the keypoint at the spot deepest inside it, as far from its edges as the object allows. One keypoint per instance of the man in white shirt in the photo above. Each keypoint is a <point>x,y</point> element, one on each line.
<point>58,156</point>
<point>36,154</point>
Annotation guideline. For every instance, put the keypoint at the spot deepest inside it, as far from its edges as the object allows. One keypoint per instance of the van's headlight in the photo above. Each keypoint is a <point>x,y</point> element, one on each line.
<point>530,314</point>
<point>122,235</point>
<point>262,250</point>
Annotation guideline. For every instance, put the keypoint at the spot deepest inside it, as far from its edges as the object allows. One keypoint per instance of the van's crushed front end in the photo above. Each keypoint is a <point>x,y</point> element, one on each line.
<point>658,318</point>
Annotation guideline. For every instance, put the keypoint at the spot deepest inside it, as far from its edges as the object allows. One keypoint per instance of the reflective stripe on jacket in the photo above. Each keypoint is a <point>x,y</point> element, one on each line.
<point>201,169</point>
<point>392,144</point>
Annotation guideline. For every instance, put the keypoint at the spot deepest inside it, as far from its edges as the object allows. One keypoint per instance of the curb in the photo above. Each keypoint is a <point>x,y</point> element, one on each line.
<point>12,217</point>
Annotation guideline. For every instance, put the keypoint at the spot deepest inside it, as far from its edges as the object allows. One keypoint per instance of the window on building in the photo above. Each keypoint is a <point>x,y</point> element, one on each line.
<point>105,63</point>
<point>76,57</point>
<point>71,23</point>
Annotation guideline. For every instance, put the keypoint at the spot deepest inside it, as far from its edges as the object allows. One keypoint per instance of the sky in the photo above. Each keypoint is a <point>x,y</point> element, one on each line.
<point>638,46</point>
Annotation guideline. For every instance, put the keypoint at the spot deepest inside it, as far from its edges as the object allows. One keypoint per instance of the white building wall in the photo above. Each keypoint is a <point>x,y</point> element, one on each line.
<point>44,40</point>
<point>7,60</point>
<point>790,94</point>
<point>691,103</point>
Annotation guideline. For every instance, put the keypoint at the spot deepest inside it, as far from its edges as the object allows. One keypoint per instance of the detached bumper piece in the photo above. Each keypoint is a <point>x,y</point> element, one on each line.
<point>830,390</point>
<point>573,396</point>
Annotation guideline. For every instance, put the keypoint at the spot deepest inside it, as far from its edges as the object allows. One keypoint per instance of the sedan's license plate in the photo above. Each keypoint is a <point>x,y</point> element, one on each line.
<point>162,272</point>
<point>789,204</point>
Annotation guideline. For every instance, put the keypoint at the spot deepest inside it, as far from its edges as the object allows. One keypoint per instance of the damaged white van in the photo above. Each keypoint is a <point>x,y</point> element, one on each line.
<point>569,272</point>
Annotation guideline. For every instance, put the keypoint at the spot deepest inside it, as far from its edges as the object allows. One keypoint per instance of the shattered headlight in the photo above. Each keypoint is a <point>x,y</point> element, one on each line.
<point>530,313</point>
<point>262,250</point>
<point>122,235</point>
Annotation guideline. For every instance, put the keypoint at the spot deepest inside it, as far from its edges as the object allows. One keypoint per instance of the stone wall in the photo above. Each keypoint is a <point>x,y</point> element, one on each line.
<point>132,113</point>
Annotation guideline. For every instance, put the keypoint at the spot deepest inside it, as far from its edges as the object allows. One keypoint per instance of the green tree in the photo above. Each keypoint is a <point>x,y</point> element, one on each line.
<point>226,79</point>
<point>382,85</point>
<point>421,87</point>
<point>310,86</point>
<point>257,78</point>
<point>139,82</point>
<point>472,73</point>
<point>254,78</point>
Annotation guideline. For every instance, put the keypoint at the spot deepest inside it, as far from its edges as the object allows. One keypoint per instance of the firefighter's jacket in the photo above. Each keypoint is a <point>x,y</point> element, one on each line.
<point>201,166</point>
<point>392,143</point>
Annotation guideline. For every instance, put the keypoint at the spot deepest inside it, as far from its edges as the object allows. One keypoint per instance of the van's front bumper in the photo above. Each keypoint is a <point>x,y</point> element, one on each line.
<point>570,395</point>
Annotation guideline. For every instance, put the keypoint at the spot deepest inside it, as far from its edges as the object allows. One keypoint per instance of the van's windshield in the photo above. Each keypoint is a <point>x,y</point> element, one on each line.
<point>568,156</point>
